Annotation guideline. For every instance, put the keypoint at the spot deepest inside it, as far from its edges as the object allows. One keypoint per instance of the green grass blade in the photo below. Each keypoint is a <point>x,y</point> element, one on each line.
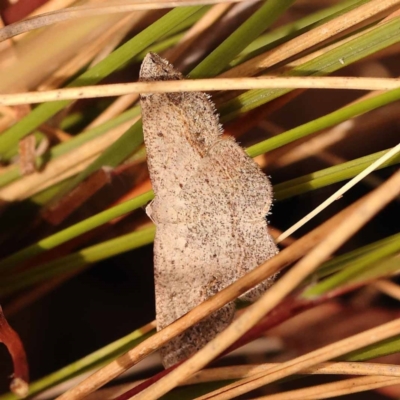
<point>343,261</point>
<point>360,268</point>
<point>75,230</point>
<point>78,260</point>
<point>327,121</point>
<point>383,348</point>
<point>330,175</point>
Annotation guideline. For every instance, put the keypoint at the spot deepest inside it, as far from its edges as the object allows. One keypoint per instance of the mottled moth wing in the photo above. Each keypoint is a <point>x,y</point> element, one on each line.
<point>209,209</point>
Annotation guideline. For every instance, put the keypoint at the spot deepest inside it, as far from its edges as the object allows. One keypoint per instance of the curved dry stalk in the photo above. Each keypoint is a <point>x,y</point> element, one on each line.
<point>263,82</point>
<point>335,389</point>
<point>51,6</point>
<point>71,13</point>
<point>326,368</point>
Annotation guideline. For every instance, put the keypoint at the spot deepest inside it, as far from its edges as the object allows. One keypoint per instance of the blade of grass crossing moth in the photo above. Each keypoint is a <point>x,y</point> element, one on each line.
<point>133,137</point>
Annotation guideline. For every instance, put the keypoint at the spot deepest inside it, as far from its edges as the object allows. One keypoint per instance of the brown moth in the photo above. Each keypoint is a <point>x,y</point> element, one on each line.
<point>209,208</point>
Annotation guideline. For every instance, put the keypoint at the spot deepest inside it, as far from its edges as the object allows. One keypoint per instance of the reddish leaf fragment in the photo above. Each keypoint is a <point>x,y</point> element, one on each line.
<point>27,155</point>
<point>11,339</point>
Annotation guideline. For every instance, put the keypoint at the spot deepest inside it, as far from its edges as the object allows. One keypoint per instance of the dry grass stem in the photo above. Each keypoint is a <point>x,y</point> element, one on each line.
<point>327,368</point>
<point>116,108</point>
<point>51,6</point>
<point>388,287</point>
<point>264,82</point>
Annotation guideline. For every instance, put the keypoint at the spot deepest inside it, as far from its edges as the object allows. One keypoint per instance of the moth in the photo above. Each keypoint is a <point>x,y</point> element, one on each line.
<point>210,204</point>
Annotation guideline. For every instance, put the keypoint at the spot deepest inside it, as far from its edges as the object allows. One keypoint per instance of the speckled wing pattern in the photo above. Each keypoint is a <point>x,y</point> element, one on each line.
<point>209,208</point>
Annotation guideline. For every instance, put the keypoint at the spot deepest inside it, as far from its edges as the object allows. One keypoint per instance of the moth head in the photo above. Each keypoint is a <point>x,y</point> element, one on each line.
<point>155,68</point>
